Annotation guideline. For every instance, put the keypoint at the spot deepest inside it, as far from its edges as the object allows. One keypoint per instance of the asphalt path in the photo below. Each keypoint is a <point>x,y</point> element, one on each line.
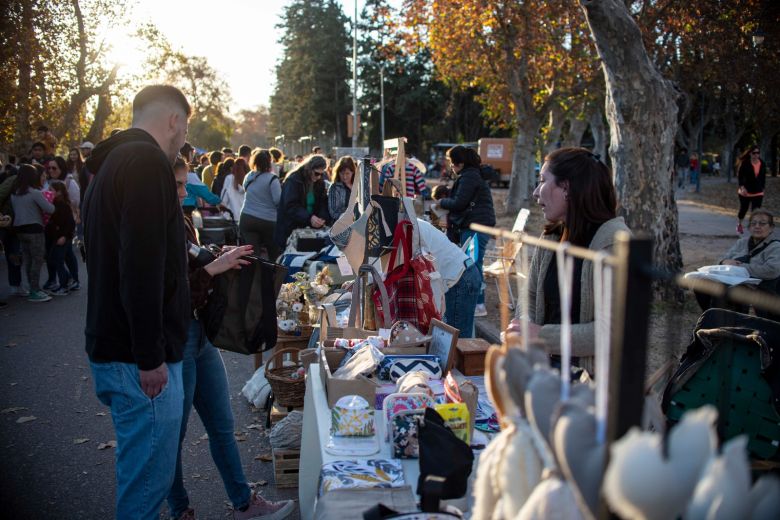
<point>52,466</point>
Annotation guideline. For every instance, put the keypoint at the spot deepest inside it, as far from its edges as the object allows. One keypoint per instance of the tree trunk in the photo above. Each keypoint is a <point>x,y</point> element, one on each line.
<point>599,132</point>
<point>642,114</point>
<point>768,130</point>
<point>577,126</point>
<point>98,127</point>
<point>22,129</point>
<point>554,127</point>
<point>733,135</point>
<point>522,168</point>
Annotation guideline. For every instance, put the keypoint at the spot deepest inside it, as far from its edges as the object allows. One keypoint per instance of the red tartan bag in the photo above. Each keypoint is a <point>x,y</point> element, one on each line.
<point>408,284</point>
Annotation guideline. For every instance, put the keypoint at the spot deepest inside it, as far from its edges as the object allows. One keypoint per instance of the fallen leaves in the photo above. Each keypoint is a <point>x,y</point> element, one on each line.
<point>255,427</point>
<point>240,436</point>
<point>100,414</point>
<point>13,409</point>
<point>265,457</point>
<point>80,441</point>
<point>106,445</point>
<point>22,420</point>
<point>9,345</point>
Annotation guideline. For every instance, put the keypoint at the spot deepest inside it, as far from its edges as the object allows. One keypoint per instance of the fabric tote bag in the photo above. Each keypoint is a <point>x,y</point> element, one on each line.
<point>408,282</point>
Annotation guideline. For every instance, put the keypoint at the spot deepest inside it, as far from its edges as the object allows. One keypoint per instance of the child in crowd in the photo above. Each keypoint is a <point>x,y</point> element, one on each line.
<point>59,233</point>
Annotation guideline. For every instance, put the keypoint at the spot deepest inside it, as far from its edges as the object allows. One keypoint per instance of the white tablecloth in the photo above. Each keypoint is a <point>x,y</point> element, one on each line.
<point>316,431</point>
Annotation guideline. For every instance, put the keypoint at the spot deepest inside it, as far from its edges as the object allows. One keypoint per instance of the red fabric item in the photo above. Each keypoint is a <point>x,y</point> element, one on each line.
<point>408,284</point>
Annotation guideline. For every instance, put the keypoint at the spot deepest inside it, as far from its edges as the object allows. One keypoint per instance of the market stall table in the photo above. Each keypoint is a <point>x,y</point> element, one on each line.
<point>316,431</point>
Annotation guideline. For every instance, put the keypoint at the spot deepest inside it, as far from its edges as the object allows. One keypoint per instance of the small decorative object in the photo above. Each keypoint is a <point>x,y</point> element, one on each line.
<point>414,383</point>
<point>352,417</point>
<point>373,473</point>
<point>443,341</point>
<point>404,435</point>
<point>456,417</point>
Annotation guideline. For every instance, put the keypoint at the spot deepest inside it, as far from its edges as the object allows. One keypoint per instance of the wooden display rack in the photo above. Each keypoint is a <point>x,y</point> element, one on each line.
<point>286,464</point>
<point>280,412</point>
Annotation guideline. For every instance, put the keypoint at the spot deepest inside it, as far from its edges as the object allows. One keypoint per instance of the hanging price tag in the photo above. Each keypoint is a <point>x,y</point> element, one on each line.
<point>344,268</point>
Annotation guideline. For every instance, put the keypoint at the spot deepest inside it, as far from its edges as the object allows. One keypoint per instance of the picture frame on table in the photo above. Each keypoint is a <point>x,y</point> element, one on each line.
<point>444,339</point>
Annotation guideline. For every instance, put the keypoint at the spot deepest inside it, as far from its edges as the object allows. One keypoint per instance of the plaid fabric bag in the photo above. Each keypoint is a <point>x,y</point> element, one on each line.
<point>408,283</point>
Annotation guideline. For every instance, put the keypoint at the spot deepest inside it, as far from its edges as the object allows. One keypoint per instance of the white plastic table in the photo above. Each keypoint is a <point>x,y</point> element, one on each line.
<point>316,431</point>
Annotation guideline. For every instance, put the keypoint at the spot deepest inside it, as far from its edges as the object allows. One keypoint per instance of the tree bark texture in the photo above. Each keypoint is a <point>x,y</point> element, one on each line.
<point>599,132</point>
<point>22,129</point>
<point>733,132</point>
<point>554,127</point>
<point>768,131</point>
<point>577,126</point>
<point>641,110</point>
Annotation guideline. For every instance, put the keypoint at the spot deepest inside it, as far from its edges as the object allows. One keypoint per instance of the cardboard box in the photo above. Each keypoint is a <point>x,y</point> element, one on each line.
<point>337,388</point>
<point>470,356</point>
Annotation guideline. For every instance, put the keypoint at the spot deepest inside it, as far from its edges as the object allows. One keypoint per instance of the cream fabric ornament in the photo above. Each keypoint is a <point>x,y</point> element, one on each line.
<point>765,498</point>
<point>640,483</point>
<point>723,492</point>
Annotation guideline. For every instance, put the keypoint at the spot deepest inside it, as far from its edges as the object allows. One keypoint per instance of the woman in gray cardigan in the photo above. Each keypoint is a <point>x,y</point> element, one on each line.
<point>29,205</point>
<point>578,200</point>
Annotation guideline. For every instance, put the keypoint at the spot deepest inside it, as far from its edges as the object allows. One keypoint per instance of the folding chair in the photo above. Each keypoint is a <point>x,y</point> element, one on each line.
<point>504,258</point>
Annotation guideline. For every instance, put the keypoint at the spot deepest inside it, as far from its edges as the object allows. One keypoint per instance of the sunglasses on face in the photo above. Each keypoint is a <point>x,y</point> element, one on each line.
<point>755,153</point>
<point>52,168</point>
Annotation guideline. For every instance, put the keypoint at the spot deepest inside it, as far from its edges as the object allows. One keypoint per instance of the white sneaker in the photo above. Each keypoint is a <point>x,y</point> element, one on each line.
<point>262,509</point>
<point>480,310</point>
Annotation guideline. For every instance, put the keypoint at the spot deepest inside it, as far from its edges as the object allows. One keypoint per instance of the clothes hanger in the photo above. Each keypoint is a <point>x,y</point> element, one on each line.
<point>565,266</point>
<point>602,297</point>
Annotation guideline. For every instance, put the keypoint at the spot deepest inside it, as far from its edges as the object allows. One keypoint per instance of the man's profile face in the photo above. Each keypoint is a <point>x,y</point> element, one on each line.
<point>37,152</point>
<point>179,128</point>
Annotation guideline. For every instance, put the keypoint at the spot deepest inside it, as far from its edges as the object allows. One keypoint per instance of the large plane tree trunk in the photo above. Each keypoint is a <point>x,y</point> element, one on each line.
<point>641,111</point>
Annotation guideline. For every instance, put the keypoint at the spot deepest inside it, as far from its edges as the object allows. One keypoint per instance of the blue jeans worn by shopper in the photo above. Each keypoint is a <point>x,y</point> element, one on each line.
<point>206,386</point>
<point>56,259</point>
<point>147,435</point>
<point>461,300</point>
<point>482,242</point>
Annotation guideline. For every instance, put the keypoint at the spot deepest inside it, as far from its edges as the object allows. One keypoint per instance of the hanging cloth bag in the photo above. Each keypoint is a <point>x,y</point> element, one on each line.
<point>408,282</point>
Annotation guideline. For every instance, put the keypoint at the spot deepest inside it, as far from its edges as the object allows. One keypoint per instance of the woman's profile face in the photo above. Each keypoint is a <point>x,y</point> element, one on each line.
<point>347,175</point>
<point>181,183</point>
<point>550,196</point>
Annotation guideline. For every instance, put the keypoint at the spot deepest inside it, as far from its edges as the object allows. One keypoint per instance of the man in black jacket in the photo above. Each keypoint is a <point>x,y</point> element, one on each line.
<point>138,301</point>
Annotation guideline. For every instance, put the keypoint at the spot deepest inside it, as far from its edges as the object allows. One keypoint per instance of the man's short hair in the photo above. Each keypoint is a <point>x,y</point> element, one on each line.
<point>186,149</point>
<point>160,93</point>
<point>244,150</point>
<point>38,144</point>
<point>276,154</point>
<point>215,157</point>
<point>227,151</point>
<point>43,128</point>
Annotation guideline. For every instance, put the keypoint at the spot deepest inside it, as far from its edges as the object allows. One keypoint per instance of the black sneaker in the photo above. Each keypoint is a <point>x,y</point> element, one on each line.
<point>59,291</point>
<point>73,286</point>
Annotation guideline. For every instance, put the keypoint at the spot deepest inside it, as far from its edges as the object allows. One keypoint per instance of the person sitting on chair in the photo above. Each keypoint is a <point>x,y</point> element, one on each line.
<point>759,254</point>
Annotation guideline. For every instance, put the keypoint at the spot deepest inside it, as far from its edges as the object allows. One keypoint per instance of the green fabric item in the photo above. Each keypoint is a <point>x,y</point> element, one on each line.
<point>310,201</point>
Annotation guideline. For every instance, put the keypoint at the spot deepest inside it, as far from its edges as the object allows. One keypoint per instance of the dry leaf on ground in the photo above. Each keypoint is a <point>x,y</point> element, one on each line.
<point>80,441</point>
<point>28,418</point>
<point>106,445</point>
<point>13,409</point>
<point>265,457</point>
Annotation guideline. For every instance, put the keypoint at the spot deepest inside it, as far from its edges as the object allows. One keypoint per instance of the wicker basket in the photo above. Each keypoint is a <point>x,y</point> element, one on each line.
<point>287,391</point>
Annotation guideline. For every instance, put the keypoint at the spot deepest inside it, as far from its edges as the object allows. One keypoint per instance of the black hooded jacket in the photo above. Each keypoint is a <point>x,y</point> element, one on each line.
<point>470,201</point>
<point>138,308</point>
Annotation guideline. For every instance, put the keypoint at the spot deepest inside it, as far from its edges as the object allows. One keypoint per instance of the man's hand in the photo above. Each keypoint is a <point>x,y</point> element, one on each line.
<point>153,381</point>
<point>61,241</point>
<point>731,262</point>
<point>316,222</point>
<point>229,260</point>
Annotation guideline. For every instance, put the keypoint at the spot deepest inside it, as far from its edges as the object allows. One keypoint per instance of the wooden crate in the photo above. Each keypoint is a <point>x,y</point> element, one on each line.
<point>470,356</point>
<point>280,412</point>
<point>286,467</point>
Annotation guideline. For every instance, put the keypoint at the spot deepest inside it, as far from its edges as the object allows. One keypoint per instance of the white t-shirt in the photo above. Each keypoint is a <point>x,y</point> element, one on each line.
<point>232,197</point>
<point>448,258</point>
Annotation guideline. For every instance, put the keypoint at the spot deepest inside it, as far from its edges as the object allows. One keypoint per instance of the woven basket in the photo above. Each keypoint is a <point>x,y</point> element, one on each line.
<point>287,391</point>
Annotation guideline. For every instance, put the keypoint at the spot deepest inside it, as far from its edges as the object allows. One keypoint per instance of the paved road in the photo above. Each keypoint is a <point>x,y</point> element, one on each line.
<point>44,473</point>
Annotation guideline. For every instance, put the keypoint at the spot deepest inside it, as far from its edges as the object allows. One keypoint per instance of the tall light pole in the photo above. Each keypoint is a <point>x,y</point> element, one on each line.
<point>354,83</point>
<point>382,102</point>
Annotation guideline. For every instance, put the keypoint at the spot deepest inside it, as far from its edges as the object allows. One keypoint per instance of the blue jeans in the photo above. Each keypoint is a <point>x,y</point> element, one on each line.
<point>206,386</point>
<point>56,259</point>
<point>13,256</point>
<point>461,300</point>
<point>482,242</point>
<point>147,432</point>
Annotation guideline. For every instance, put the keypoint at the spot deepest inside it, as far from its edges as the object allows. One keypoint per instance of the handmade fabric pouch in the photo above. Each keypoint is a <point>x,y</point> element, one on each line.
<point>398,403</point>
<point>352,417</point>
<point>415,383</point>
<point>363,362</point>
<point>404,434</point>
<point>390,371</point>
<point>350,474</point>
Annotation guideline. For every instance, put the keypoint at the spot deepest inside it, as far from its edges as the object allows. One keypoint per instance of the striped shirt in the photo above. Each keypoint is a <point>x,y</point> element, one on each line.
<point>414,180</point>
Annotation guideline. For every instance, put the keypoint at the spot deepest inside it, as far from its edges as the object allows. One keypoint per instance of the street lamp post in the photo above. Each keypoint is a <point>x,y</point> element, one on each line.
<point>354,83</point>
<point>382,103</point>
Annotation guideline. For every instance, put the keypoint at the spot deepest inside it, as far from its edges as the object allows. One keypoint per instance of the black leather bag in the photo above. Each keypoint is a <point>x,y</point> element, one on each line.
<point>240,315</point>
<point>443,455</point>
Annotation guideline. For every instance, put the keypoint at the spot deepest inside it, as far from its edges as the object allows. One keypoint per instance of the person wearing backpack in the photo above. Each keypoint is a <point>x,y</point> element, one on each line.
<point>263,190</point>
<point>759,254</point>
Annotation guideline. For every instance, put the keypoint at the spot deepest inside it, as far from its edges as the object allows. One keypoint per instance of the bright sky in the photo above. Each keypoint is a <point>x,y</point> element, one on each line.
<point>244,31</point>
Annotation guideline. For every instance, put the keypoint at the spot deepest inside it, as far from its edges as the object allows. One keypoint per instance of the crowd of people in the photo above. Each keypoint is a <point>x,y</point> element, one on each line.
<point>127,205</point>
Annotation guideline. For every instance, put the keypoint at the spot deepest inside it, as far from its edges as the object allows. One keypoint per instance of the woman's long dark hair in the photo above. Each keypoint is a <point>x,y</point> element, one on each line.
<point>27,177</point>
<point>345,163</point>
<point>70,163</point>
<point>591,196</point>
<point>311,163</point>
<point>460,154</point>
<point>240,169</point>
<point>745,156</point>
